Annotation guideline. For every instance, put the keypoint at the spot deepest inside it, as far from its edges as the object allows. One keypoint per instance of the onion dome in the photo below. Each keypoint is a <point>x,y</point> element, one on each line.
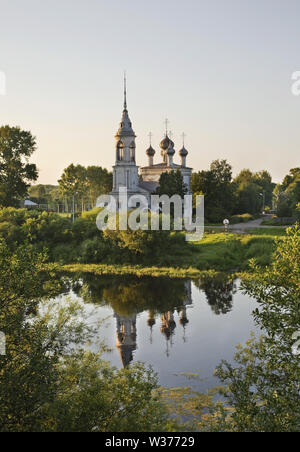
<point>171,150</point>
<point>184,321</point>
<point>165,143</point>
<point>151,322</point>
<point>150,152</point>
<point>183,152</point>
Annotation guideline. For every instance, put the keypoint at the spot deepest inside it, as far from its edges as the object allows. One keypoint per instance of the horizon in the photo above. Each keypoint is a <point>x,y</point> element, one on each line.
<point>220,73</point>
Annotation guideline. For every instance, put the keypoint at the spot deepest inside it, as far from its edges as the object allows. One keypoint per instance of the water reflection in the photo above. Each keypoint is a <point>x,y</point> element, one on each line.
<point>219,290</point>
<point>161,298</point>
<point>126,337</point>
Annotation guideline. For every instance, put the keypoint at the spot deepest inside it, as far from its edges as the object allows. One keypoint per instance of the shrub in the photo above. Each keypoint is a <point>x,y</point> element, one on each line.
<point>91,215</point>
<point>284,209</point>
<point>243,218</point>
<point>64,252</point>
<point>84,228</point>
<point>94,250</point>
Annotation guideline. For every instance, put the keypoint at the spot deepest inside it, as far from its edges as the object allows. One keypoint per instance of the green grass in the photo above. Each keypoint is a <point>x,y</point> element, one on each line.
<point>271,232</point>
<point>65,215</point>
<point>214,253</point>
<point>243,218</point>
<point>137,270</point>
<point>276,222</point>
<point>231,252</point>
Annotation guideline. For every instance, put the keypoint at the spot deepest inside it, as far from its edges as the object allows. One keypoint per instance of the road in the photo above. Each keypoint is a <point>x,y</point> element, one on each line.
<point>243,227</point>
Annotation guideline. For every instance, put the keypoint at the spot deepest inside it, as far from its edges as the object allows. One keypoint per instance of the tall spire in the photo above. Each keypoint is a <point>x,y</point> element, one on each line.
<point>125,92</point>
<point>167,124</point>
<point>125,128</point>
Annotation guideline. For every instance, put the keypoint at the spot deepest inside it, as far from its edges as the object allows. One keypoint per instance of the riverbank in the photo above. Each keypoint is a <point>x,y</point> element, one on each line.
<point>214,253</point>
<point>137,270</point>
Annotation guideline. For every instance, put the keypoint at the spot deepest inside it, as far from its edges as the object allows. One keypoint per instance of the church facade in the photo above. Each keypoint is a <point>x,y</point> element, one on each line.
<point>145,180</point>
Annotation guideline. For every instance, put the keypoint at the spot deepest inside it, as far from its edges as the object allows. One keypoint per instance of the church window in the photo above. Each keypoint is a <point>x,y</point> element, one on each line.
<point>132,151</point>
<point>120,151</point>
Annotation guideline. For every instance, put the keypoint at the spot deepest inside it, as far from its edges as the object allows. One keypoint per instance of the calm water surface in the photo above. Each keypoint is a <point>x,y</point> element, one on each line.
<point>174,325</point>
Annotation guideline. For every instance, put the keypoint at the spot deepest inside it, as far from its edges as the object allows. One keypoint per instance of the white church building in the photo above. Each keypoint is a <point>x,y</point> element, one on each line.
<point>145,180</point>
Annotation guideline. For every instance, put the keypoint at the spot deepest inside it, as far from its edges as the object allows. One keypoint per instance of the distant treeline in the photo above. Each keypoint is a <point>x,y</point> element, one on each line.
<point>80,186</point>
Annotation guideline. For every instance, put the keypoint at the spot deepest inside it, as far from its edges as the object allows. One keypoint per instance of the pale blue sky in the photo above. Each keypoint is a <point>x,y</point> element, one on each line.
<point>220,70</point>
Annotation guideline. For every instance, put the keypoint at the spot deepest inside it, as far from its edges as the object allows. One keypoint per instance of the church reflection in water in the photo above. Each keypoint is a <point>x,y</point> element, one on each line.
<point>127,331</point>
<point>165,300</point>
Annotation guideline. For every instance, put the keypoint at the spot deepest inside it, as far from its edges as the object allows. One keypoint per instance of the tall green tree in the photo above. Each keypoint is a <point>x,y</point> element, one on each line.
<point>73,182</point>
<point>172,183</point>
<point>287,195</point>
<point>99,181</point>
<point>16,173</point>
<point>85,183</point>
<point>216,185</point>
<point>252,190</point>
<point>264,180</point>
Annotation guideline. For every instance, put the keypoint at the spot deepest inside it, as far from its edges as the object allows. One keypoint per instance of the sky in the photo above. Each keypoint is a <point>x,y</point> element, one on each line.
<point>219,70</point>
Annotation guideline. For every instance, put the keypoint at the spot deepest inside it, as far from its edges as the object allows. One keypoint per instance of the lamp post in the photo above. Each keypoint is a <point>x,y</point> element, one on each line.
<point>263,194</point>
<point>226,224</point>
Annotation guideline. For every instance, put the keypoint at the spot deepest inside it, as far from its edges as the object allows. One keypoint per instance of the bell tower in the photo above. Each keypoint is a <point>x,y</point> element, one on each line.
<point>125,171</point>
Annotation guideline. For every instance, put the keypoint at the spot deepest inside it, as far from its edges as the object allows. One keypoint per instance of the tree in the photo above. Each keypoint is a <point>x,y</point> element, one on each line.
<point>261,392</point>
<point>293,192</point>
<point>264,388</point>
<point>99,182</point>
<point>73,182</point>
<point>16,173</point>
<point>46,385</point>
<point>215,184</point>
<point>87,183</point>
<point>289,178</point>
<point>171,183</point>
<point>264,180</point>
<point>287,195</point>
<point>251,189</point>
<point>139,246</point>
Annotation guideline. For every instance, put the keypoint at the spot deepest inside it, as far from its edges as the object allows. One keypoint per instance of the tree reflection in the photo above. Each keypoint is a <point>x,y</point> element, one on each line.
<point>163,298</point>
<point>131,295</point>
<point>219,290</point>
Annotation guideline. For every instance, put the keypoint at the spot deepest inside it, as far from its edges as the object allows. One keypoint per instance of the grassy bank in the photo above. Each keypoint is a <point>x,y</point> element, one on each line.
<point>137,270</point>
<point>231,252</point>
<point>215,253</point>
<point>81,245</point>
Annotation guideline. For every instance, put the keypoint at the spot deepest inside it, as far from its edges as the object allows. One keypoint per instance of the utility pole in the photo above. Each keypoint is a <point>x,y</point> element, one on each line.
<point>263,194</point>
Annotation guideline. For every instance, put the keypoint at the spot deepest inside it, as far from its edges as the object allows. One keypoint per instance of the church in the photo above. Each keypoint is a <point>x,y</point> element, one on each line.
<point>145,180</point>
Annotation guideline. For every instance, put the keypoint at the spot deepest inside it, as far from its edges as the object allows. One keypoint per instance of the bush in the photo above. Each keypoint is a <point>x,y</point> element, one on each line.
<point>243,218</point>
<point>91,215</point>
<point>83,228</point>
<point>94,251</point>
<point>144,245</point>
<point>64,252</point>
<point>284,209</point>
<point>297,211</point>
